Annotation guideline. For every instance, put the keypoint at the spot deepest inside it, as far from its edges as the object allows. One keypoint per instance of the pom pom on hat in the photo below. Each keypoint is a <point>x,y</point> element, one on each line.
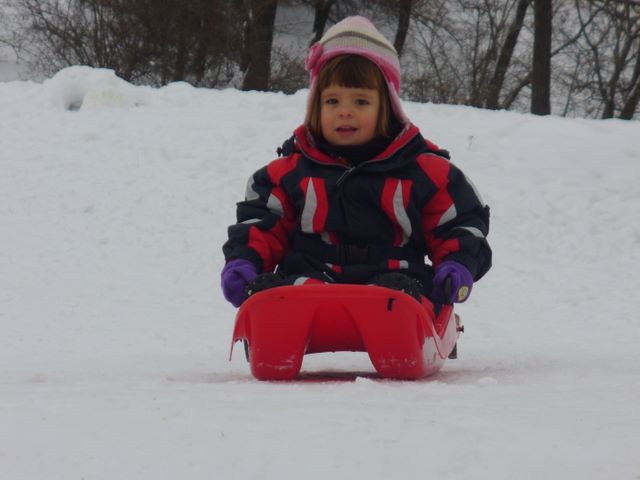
<point>358,36</point>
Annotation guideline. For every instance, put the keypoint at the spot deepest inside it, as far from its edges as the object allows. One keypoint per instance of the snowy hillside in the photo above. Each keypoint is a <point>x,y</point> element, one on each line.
<point>114,335</point>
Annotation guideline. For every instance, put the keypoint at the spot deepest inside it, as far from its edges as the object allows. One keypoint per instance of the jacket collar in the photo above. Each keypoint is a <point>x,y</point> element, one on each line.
<point>307,145</point>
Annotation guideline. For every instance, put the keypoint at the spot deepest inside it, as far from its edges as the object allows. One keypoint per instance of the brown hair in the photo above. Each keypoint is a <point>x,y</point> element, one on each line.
<point>352,71</point>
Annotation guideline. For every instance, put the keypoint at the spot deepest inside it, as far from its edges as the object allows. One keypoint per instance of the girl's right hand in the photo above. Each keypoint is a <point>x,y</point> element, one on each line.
<point>235,277</point>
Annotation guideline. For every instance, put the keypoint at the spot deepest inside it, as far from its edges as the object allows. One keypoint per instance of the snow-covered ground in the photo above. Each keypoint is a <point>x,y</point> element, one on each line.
<point>114,336</point>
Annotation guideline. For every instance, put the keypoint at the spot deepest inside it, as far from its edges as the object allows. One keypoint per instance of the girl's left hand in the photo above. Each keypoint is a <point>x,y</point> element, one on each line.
<point>461,283</point>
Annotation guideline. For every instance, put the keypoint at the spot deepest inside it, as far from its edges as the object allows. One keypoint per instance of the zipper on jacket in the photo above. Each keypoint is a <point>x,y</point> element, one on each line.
<point>350,169</point>
<point>346,173</point>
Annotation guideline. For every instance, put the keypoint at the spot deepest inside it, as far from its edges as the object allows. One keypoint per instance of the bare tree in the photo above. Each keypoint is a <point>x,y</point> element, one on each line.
<point>504,58</point>
<point>261,16</point>
<point>144,41</point>
<point>630,106</point>
<point>466,49</point>
<point>541,68</point>
<point>404,16</point>
<point>473,52</point>
<point>604,59</point>
<point>321,15</point>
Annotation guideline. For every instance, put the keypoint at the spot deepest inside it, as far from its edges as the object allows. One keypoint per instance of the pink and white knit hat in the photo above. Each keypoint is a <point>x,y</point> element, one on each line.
<point>358,36</point>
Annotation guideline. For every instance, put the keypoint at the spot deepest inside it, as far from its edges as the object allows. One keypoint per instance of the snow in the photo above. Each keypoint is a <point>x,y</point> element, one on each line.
<point>114,343</point>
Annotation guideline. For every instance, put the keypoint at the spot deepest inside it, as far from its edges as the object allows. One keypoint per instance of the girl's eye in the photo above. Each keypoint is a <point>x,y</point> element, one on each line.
<point>331,101</point>
<point>362,101</point>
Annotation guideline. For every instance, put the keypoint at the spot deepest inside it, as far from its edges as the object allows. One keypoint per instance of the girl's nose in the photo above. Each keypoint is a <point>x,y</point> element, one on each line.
<point>345,112</point>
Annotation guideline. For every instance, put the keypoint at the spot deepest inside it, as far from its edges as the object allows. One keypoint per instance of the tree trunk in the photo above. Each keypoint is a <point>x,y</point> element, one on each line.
<point>541,70</point>
<point>201,48</point>
<point>262,18</point>
<point>323,7</point>
<point>404,16</point>
<point>631,104</point>
<point>181,26</point>
<point>506,53</point>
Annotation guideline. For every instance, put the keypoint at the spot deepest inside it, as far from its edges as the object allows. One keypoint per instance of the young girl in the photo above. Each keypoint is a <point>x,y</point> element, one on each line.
<point>359,196</point>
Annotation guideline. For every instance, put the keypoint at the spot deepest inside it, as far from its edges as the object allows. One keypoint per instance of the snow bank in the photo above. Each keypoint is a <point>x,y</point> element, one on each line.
<point>86,88</point>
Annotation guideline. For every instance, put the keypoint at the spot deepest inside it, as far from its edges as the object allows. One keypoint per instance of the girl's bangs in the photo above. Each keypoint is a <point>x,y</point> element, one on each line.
<point>352,71</point>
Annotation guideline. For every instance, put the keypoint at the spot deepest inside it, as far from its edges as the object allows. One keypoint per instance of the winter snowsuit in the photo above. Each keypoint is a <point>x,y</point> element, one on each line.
<point>316,216</point>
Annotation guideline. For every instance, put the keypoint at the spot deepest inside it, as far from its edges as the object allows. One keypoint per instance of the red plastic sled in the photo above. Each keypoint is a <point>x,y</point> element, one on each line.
<point>403,337</point>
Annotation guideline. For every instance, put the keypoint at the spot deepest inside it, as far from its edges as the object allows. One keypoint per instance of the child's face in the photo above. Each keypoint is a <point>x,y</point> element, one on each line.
<point>348,116</point>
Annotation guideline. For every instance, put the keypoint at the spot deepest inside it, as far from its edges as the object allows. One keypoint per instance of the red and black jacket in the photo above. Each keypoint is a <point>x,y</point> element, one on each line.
<point>314,215</point>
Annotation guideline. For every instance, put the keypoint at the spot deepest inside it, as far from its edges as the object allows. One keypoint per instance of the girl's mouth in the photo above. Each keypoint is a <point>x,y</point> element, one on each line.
<point>346,129</point>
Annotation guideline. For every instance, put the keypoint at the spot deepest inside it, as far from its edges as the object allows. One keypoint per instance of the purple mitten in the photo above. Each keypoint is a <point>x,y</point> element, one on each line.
<point>461,282</point>
<point>235,276</point>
